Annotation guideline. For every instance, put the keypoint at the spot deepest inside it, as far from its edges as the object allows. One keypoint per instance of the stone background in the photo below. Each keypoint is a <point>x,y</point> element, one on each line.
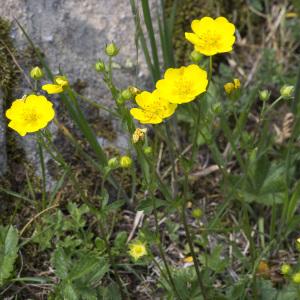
<point>73,34</point>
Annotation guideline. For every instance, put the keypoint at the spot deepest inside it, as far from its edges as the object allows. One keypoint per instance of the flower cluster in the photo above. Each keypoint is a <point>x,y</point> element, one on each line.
<point>184,84</point>
<point>179,85</point>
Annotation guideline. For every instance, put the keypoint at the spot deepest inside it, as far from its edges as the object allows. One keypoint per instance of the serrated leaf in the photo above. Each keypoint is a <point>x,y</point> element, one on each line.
<point>61,263</point>
<point>8,251</point>
<point>69,292</point>
<point>84,266</point>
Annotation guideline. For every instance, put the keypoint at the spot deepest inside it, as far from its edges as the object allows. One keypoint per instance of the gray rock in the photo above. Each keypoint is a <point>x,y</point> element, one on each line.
<point>73,34</point>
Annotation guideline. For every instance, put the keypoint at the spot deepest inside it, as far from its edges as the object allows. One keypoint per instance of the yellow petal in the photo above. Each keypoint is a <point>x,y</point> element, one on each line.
<point>52,88</point>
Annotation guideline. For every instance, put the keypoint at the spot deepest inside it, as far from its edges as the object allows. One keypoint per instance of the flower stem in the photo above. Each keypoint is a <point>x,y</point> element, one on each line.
<point>161,250</point>
<point>189,239</point>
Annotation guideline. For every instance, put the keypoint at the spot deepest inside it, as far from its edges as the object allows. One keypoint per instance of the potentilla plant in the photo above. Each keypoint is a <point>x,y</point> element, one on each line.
<point>263,190</point>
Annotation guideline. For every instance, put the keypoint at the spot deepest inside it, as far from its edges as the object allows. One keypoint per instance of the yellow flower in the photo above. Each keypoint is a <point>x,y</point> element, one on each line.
<point>183,84</point>
<point>139,135</point>
<point>60,84</point>
<point>125,161</point>
<point>188,259</point>
<point>30,114</point>
<point>212,36</point>
<point>230,87</point>
<point>153,108</point>
<point>137,250</point>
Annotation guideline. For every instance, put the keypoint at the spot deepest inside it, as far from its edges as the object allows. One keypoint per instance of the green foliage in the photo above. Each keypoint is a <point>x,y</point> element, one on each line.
<point>8,252</point>
<point>78,273</point>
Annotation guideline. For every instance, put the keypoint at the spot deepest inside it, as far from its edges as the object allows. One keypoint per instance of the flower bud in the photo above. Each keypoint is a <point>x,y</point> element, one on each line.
<point>113,163</point>
<point>111,49</point>
<point>134,91</point>
<point>197,213</point>
<point>148,151</point>
<point>285,269</point>
<point>61,80</point>
<point>125,162</point>
<point>296,278</point>
<point>195,56</point>
<point>100,66</point>
<point>298,244</point>
<point>287,91</point>
<point>264,95</point>
<point>139,135</point>
<point>217,108</point>
<point>126,94</point>
<point>36,73</point>
<point>120,100</point>
<point>229,88</point>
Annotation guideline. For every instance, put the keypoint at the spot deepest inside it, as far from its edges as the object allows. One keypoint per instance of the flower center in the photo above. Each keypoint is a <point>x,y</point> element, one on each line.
<point>210,38</point>
<point>31,117</point>
<point>183,87</point>
<point>138,250</point>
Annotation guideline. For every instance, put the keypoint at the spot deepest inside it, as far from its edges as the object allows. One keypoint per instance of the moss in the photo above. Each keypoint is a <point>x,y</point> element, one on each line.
<point>8,70</point>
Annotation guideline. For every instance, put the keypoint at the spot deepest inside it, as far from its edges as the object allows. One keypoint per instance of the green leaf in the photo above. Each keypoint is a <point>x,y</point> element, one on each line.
<point>69,292</point>
<point>61,263</point>
<point>84,266</point>
<point>8,251</point>
<point>111,292</point>
<point>147,204</point>
<point>214,261</point>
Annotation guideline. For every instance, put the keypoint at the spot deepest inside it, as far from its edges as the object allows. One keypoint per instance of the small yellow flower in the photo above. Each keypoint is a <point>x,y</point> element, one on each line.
<point>139,135</point>
<point>296,278</point>
<point>152,108</point>
<point>212,36</point>
<point>230,87</point>
<point>36,73</point>
<point>137,250</point>
<point>125,161</point>
<point>188,259</point>
<point>30,114</point>
<point>183,84</point>
<point>60,84</point>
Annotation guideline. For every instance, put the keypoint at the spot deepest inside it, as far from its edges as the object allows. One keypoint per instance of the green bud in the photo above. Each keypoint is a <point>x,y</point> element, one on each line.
<point>264,95</point>
<point>296,278</point>
<point>148,150</point>
<point>217,108</point>
<point>36,73</point>
<point>197,213</point>
<point>125,161</point>
<point>111,50</point>
<point>126,94</point>
<point>113,163</point>
<point>287,91</point>
<point>120,100</point>
<point>100,66</point>
<point>298,244</point>
<point>195,56</point>
<point>285,269</point>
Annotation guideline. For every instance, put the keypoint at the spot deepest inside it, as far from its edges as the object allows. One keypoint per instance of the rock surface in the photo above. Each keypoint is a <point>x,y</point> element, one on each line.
<point>73,35</point>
